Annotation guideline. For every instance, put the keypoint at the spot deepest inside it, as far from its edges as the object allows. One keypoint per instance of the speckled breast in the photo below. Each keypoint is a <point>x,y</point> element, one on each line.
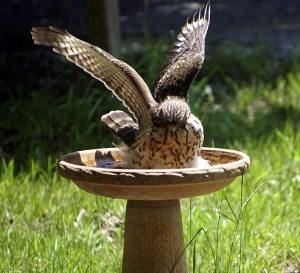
<point>168,147</point>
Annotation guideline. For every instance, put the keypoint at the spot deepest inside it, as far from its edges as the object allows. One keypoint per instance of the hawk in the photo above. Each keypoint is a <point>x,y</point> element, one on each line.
<point>163,133</point>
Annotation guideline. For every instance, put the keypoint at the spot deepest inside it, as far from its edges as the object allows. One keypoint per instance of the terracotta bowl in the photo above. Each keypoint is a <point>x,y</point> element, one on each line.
<point>96,171</point>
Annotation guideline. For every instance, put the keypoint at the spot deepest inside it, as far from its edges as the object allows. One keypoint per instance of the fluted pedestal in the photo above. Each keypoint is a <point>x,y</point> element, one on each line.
<point>153,240</point>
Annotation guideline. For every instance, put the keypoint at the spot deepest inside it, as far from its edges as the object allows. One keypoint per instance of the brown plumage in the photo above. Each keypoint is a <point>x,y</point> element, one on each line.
<point>164,133</point>
<point>122,125</point>
<point>185,59</point>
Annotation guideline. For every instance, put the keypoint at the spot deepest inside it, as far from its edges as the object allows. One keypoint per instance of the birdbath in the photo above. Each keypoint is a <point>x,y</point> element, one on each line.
<point>153,240</point>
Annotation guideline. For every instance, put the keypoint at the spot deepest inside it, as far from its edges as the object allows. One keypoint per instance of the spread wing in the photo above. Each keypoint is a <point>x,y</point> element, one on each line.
<point>125,83</point>
<point>185,59</point>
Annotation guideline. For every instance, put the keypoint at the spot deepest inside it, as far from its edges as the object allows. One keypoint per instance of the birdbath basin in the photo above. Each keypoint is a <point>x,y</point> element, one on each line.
<point>153,240</point>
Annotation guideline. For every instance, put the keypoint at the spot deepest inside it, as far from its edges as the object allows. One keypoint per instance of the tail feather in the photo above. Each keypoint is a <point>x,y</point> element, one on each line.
<point>122,125</point>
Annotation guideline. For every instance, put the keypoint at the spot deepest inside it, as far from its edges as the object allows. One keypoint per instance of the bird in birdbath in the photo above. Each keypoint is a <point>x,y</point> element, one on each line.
<point>163,132</point>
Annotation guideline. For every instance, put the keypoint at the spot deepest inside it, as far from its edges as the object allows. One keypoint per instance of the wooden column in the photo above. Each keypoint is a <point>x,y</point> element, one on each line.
<point>153,240</point>
<point>103,24</point>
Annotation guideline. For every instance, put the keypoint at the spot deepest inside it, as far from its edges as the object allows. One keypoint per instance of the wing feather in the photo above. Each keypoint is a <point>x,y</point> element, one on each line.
<point>125,83</point>
<point>185,59</point>
<point>122,126</point>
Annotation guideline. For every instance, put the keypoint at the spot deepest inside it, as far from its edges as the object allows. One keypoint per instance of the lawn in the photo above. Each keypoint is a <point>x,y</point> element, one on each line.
<point>249,100</point>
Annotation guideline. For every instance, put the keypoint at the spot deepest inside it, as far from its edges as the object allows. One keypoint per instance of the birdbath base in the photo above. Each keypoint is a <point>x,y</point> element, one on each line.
<point>153,227</point>
<point>153,237</point>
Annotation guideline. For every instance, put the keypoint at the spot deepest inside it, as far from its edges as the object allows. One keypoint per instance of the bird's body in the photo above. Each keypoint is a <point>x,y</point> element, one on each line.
<point>167,147</point>
<point>164,133</point>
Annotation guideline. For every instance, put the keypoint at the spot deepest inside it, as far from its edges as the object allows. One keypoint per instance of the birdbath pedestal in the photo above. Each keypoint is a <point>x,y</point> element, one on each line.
<point>153,240</point>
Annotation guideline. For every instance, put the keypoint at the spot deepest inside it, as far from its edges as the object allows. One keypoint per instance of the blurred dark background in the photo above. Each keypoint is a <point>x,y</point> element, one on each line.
<point>246,21</point>
<point>274,24</point>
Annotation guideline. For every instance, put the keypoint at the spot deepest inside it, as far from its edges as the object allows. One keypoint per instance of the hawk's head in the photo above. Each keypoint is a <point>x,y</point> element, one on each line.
<point>172,112</point>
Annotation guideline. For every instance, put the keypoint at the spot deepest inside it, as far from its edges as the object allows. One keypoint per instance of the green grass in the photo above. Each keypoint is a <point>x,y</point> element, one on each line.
<point>49,225</point>
<point>267,235</point>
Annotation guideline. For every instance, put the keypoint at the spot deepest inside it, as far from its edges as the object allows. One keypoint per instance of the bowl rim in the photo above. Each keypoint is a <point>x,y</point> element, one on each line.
<point>244,160</point>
